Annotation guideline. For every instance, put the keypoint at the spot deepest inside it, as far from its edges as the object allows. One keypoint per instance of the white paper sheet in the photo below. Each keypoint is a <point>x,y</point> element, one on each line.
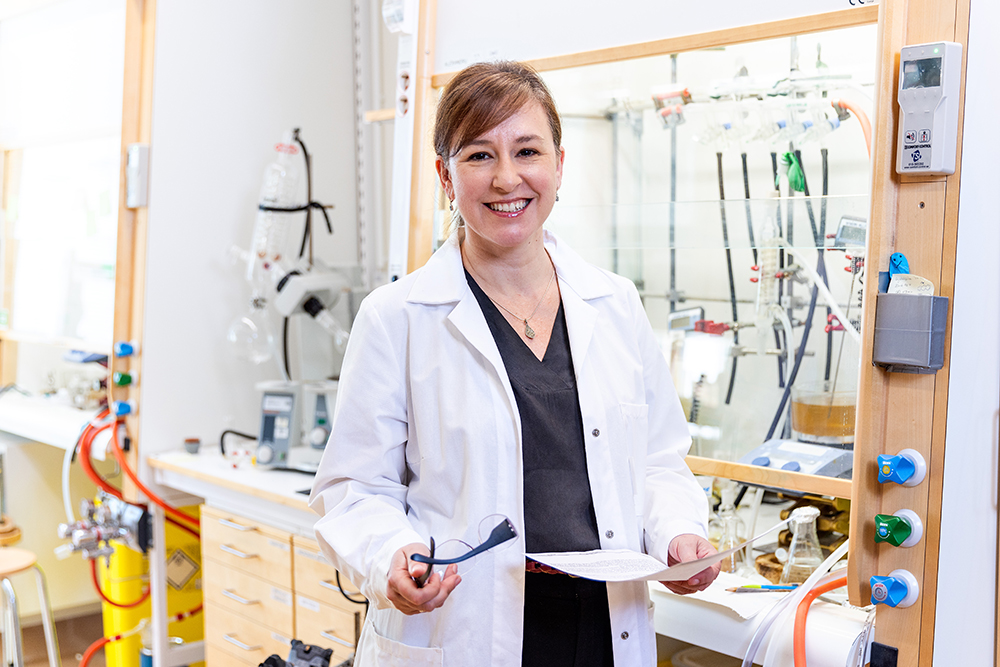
<point>626,565</point>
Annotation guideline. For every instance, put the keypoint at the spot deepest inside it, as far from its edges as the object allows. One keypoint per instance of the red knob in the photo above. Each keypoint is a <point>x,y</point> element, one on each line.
<point>754,279</point>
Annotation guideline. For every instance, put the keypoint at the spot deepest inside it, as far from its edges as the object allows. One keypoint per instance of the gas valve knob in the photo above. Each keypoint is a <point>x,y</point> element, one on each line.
<point>902,529</point>
<point>899,589</point>
<point>907,468</point>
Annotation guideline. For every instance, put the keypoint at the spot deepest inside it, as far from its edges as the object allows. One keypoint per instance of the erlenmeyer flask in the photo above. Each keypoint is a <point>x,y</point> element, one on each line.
<point>804,553</point>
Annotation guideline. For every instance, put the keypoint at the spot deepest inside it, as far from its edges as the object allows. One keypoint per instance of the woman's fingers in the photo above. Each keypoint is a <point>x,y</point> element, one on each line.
<point>402,589</point>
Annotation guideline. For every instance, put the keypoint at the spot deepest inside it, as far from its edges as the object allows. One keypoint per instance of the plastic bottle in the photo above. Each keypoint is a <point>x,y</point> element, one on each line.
<point>804,553</point>
<point>732,531</point>
<point>270,232</point>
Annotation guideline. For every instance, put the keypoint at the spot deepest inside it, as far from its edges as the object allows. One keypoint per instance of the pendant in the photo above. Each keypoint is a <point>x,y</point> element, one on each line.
<point>528,331</point>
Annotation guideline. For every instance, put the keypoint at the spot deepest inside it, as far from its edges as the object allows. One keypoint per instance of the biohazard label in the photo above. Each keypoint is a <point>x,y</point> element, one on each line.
<point>180,569</point>
<point>916,156</point>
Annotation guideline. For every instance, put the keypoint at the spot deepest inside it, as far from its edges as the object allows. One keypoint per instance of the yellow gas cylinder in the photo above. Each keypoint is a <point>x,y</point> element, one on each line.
<point>125,579</point>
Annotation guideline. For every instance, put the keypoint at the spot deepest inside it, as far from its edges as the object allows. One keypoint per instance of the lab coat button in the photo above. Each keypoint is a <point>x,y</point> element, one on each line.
<point>610,534</point>
<point>596,432</point>
<point>625,635</point>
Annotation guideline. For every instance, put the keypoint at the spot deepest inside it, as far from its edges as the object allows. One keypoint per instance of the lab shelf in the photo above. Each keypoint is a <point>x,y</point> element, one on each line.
<point>42,419</point>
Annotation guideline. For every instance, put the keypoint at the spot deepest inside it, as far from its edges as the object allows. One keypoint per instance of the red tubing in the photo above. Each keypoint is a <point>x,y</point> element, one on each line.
<point>803,611</point>
<point>866,125</point>
<point>123,605</point>
<point>116,450</point>
<point>92,649</point>
<point>86,440</point>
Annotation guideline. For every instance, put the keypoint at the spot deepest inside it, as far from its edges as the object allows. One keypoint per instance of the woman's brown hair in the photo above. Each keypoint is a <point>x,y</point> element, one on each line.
<point>482,96</point>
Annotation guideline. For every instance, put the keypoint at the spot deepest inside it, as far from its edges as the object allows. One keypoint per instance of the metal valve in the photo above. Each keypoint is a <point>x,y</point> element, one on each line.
<point>907,468</point>
<point>899,589</point>
<point>107,519</point>
<point>902,529</point>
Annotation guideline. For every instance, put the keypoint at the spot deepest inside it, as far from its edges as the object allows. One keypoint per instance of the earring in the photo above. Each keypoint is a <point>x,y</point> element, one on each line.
<point>557,196</point>
<point>451,205</point>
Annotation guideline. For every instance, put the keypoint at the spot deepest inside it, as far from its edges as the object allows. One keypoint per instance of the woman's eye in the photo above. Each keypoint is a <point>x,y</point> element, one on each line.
<point>475,157</point>
<point>528,152</point>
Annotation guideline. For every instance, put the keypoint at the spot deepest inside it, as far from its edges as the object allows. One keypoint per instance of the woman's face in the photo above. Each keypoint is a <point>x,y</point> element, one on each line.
<point>504,182</point>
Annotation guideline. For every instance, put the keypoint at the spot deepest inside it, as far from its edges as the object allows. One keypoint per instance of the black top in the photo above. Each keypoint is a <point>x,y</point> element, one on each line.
<point>558,508</point>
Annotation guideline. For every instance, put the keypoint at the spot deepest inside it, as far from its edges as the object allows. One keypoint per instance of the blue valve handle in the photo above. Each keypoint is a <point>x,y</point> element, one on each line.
<point>888,590</point>
<point>896,469</point>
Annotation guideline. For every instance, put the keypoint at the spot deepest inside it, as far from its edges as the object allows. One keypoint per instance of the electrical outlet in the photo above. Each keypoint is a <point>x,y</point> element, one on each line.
<point>883,656</point>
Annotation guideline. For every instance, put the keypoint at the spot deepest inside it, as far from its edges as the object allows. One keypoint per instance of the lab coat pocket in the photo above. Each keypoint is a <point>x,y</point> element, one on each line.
<point>635,422</point>
<point>374,650</point>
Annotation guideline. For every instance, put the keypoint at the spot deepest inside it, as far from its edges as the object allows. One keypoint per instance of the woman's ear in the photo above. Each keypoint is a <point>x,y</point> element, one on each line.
<point>444,175</point>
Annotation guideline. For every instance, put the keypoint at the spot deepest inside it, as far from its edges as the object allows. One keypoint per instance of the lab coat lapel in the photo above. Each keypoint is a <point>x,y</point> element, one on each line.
<point>581,317</point>
<point>442,281</point>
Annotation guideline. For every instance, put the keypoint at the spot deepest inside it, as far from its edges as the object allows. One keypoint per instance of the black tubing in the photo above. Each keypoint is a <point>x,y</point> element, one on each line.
<point>729,270</point>
<point>746,200</point>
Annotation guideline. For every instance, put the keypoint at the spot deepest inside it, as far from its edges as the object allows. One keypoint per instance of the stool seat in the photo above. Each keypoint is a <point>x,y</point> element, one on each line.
<point>14,560</point>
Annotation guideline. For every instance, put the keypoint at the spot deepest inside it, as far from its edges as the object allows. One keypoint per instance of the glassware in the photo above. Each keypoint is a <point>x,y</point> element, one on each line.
<point>804,553</point>
<point>824,413</point>
<point>733,530</point>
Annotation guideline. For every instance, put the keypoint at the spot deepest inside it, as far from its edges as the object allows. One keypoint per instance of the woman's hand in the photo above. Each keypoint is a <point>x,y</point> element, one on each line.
<point>688,547</point>
<point>402,590</point>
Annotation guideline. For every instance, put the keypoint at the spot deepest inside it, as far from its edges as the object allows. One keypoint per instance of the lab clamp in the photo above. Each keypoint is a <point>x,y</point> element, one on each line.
<point>108,518</point>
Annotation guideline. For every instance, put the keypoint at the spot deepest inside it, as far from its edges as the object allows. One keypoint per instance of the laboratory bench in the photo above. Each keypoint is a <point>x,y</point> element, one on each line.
<point>242,501</point>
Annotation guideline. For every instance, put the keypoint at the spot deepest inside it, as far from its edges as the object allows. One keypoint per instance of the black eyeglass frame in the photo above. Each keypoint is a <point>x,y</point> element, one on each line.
<point>503,532</point>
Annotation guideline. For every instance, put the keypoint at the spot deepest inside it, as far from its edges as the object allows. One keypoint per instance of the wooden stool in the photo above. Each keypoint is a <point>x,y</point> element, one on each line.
<point>14,561</point>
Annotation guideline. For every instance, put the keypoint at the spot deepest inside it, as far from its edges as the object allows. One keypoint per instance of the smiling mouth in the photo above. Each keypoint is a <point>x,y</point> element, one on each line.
<point>509,207</point>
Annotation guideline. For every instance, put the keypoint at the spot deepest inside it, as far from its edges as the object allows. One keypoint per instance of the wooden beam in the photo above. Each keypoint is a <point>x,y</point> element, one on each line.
<point>779,479</point>
<point>11,188</point>
<point>379,115</point>
<point>130,262</point>
<point>422,174</point>
<point>918,217</point>
<point>843,18</point>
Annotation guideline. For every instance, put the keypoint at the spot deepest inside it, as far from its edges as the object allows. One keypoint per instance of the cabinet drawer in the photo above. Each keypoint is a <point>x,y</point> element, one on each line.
<point>216,657</point>
<point>256,599</point>
<point>248,641</point>
<point>316,578</point>
<point>246,545</point>
<point>326,626</point>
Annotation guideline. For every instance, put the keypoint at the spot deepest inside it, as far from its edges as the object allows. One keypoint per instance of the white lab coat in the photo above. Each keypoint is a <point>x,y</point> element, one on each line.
<point>426,441</point>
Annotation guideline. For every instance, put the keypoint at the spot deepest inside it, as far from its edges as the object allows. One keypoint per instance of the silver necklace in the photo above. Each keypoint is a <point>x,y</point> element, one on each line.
<point>528,331</point>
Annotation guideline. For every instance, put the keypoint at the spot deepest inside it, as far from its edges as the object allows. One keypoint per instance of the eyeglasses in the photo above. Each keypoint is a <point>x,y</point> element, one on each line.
<point>457,551</point>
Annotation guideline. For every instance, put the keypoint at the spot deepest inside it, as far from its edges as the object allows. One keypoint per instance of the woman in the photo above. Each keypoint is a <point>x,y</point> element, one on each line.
<point>507,376</point>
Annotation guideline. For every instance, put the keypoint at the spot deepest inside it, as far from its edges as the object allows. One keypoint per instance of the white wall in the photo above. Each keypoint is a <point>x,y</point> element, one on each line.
<point>228,80</point>
<point>965,622</point>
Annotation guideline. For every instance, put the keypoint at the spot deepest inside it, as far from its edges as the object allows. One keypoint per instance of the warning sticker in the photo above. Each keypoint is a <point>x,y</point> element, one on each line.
<point>180,569</point>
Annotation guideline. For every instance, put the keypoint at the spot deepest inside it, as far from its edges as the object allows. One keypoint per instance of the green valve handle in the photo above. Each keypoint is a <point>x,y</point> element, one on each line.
<point>902,529</point>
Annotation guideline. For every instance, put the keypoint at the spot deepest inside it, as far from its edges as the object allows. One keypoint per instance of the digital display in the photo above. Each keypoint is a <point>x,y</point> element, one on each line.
<point>925,73</point>
<point>278,403</point>
<point>851,232</point>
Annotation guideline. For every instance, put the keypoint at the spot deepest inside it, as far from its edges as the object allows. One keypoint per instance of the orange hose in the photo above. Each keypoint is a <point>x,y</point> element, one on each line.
<point>86,440</point>
<point>122,605</point>
<point>92,649</point>
<point>119,455</point>
<point>866,125</point>
<point>800,617</point>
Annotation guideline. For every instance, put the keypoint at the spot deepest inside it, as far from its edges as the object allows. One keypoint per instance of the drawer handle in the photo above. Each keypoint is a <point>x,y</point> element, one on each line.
<point>236,642</point>
<point>233,596</point>
<point>236,552</point>
<point>331,586</point>
<point>232,524</point>
<point>327,635</point>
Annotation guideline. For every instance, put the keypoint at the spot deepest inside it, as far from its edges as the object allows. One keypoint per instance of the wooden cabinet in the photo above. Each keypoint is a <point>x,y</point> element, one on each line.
<point>249,608</point>
<point>324,616</point>
<point>263,587</point>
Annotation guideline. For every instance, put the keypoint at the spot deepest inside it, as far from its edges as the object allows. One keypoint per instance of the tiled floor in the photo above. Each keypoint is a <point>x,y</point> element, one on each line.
<point>74,635</point>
